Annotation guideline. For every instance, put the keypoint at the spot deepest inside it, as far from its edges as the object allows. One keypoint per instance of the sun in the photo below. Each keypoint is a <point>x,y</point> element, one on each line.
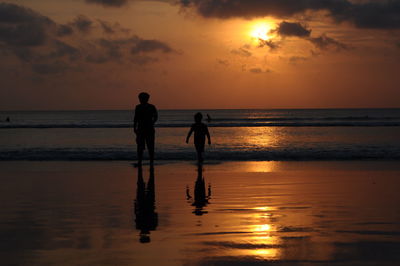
<point>261,31</point>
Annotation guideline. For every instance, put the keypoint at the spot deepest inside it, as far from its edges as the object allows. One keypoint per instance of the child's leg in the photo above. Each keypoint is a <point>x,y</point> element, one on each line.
<point>200,156</point>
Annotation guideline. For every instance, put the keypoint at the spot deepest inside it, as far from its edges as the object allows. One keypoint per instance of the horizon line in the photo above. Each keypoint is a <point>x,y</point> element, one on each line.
<point>192,109</point>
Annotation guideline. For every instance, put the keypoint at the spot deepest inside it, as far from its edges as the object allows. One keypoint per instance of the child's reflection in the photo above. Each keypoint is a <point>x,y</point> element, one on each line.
<point>201,199</point>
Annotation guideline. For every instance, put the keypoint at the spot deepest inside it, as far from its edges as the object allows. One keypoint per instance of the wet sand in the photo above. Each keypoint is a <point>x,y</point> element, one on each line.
<point>233,213</point>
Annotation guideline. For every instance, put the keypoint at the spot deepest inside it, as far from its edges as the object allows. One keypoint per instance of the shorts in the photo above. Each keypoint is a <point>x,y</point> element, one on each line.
<point>145,138</point>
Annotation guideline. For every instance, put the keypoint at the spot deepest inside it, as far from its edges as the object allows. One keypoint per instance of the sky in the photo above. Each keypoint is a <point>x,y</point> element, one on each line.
<point>199,54</point>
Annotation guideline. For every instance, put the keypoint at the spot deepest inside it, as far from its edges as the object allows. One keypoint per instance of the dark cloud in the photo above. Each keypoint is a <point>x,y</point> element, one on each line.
<point>260,8</point>
<point>97,58</point>
<point>142,60</point>
<point>143,46</point>
<point>24,54</point>
<point>20,26</point>
<point>296,59</point>
<point>51,48</point>
<point>242,52</point>
<point>324,42</point>
<point>292,29</point>
<point>64,30</point>
<point>107,28</point>
<point>50,68</point>
<point>63,49</point>
<point>273,45</point>
<point>372,14</point>
<point>82,23</point>
<point>257,70</point>
<point>363,14</point>
<point>11,13</point>
<point>23,34</point>
<point>108,3</point>
<point>223,62</point>
<point>296,29</point>
<point>140,50</point>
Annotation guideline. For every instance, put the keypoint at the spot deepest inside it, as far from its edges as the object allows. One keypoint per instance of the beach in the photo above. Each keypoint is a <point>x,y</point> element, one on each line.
<point>253,213</point>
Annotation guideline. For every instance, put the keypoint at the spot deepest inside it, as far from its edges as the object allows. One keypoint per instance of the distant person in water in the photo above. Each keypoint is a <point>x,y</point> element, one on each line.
<point>8,119</point>
<point>200,132</point>
<point>143,124</point>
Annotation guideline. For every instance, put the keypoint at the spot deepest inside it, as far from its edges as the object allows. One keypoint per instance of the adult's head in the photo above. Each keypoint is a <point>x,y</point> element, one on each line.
<point>143,97</point>
<point>198,117</point>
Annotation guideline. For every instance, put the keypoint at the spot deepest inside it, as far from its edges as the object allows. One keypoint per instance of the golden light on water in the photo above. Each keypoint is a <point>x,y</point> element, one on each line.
<point>262,167</point>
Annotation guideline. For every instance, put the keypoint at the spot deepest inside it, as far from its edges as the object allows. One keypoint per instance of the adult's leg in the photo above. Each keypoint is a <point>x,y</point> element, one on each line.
<point>150,138</point>
<point>140,141</point>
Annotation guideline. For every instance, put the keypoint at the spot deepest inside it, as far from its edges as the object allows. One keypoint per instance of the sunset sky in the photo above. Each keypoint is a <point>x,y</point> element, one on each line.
<point>98,54</point>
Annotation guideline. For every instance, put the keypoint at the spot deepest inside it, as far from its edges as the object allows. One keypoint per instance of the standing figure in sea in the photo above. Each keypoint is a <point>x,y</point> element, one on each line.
<point>143,124</point>
<point>200,132</point>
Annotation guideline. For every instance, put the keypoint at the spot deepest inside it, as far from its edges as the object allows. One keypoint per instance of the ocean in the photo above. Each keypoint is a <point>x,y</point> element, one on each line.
<point>237,135</point>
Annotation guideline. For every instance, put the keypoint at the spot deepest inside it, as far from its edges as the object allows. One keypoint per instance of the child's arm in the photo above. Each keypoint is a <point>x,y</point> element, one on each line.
<point>208,136</point>
<point>189,134</point>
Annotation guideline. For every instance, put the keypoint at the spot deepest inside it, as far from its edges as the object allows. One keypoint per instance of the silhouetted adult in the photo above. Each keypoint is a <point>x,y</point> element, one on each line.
<point>143,124</point>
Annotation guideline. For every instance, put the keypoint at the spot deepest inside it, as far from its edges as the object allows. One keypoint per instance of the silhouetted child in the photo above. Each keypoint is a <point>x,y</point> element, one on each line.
<point>200,132</point>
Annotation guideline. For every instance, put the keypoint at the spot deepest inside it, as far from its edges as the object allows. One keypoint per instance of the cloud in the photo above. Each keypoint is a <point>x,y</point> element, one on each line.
<point>292,29</point>
<point>108,3</point>
<point>324,42</point>
<point>296,29</point>
<point>273,45</point>
<point>223,62</point>
<point>242,52</point>
<point>51,48</point>
<point>295,59</point>
<point>257,70</point>
<point>107,28</point>
<point>259,8</point>
<point>50,68</point>
<point>20,26</point>
<point>12,13</point>
<point>362,14</point>
<point>63,49</point>
<point>64,30</point>
<point>82,23</point>
<point>145,46</point>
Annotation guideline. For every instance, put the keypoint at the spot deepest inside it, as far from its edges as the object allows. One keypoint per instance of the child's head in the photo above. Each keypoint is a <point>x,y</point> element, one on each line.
<point>143,97</point>
<point>198,117</point>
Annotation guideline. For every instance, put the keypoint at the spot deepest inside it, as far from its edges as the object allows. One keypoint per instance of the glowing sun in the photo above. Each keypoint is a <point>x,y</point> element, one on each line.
<point>261,31</point>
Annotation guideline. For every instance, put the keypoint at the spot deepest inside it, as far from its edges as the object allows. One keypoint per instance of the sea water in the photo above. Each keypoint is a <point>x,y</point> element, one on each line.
<point>272,135</point>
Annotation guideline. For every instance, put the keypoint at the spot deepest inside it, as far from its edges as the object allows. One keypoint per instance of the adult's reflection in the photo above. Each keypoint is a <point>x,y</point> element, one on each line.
<point>201,198</point>
<point>146,217</point>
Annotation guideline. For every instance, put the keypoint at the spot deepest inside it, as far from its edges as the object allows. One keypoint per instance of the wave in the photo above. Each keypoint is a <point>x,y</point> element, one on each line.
<point>213,124</point>
<point>335,118</point>
<point>284,154</point>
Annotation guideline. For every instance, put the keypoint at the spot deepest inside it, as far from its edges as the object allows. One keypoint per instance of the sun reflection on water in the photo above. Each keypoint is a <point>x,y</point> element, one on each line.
<point>266,245</point>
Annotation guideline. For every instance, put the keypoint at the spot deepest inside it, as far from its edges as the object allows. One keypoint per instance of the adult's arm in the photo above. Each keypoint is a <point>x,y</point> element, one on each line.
<point>155,115</point>
<point>135,121</point>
